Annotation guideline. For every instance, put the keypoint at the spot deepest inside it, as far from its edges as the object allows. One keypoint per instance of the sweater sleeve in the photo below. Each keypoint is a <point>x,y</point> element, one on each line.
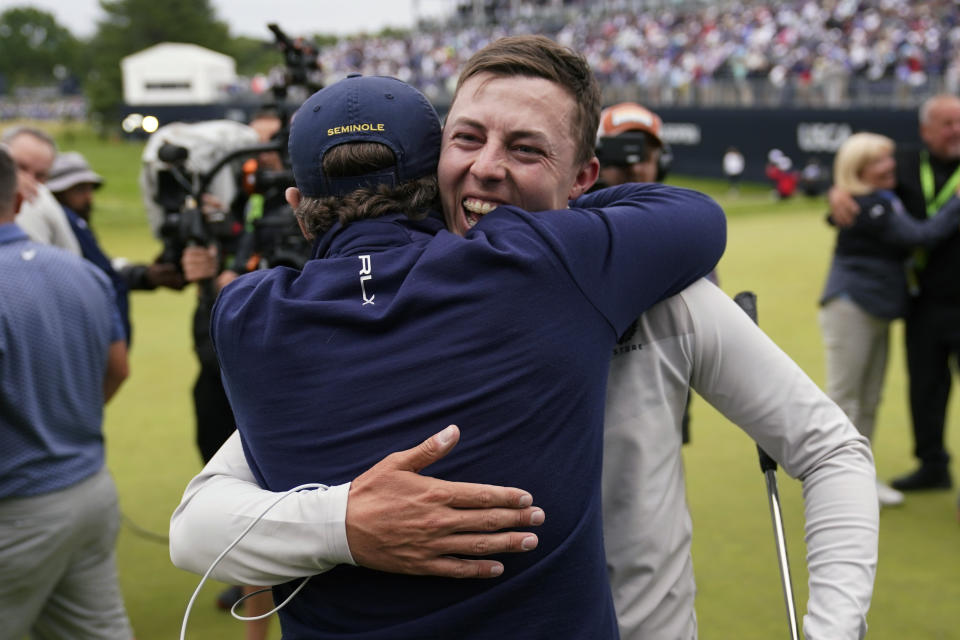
<point>304,534</point>
<point>630,246</point>
<point>742,373</point>
<point>889,221</point>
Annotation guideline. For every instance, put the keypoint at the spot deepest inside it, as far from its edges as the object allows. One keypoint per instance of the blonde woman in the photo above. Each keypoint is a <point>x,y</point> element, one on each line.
<point>867,285</point>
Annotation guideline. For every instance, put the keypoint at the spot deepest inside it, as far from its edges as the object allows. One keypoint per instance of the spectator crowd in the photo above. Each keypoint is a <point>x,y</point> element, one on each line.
<point>836,53</point>
<point>833,53</point>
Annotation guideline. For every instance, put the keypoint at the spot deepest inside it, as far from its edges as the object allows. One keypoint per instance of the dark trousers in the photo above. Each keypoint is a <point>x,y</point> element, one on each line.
<point>215,420</point>
<point>933,340</point>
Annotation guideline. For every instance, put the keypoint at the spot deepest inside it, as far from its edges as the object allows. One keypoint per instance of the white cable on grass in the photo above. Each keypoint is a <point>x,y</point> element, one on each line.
<point>196,593</point>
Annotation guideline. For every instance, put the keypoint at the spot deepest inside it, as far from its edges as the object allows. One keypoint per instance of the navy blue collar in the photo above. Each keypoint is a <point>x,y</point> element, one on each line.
<point>391,230</point>
<point>10,232</point>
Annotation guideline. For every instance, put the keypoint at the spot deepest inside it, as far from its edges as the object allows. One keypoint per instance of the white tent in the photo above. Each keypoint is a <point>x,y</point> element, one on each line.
<point>176,73</point>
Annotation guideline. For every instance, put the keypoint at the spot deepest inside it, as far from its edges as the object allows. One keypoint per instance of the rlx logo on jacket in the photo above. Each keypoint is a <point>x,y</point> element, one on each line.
<point>366,273</point>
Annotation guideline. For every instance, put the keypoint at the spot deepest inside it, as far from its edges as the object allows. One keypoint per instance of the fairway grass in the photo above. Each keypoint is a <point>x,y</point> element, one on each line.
<point>780,250</point>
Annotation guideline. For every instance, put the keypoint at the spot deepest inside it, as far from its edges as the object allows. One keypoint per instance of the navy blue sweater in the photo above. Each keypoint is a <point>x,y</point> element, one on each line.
<point>401,328</point>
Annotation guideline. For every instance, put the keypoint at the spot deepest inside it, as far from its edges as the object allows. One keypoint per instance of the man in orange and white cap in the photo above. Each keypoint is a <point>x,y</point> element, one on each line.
<point>630,145</point>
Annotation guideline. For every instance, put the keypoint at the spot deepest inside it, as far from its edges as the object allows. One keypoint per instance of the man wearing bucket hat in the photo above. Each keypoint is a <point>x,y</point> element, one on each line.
<point>73,184</point>
<point>396,325</point>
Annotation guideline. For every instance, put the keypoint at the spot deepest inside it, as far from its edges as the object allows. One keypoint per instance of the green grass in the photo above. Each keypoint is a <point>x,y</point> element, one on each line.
<point>780,250</point>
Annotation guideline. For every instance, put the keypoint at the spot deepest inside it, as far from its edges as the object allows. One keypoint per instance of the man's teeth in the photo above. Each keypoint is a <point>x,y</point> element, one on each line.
<point>476,209</point>
<point>479,206</point>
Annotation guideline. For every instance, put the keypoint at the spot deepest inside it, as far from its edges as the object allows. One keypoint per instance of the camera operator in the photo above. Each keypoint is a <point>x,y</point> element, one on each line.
<point>272,235</point>
<point>258,221</point>
<point>631,148</point>
<point>255,230</point>
<point>212,267</point>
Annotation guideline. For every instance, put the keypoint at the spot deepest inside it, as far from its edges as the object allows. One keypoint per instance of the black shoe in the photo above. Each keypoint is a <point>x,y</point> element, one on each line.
<point>926,477</point>
<point>228,596</point>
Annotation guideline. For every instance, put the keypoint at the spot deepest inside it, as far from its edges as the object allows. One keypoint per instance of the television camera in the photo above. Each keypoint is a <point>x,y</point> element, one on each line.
<point>245,210</point>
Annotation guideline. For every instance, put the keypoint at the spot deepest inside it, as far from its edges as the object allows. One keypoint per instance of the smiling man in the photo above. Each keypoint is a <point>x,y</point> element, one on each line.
<point>505,142</point>
<point>495,152</point>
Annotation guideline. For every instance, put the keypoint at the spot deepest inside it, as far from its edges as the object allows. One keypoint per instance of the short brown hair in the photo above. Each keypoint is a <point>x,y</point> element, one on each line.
<point>541,57</point>
<point>415,198</point>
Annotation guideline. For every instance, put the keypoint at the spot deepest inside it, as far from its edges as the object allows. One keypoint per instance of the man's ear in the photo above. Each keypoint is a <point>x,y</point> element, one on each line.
<point>292,194</point>
<point>586,176</point>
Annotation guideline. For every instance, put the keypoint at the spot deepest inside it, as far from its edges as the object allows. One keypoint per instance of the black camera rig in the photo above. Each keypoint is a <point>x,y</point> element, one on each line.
<point>301,63</point>
<point>261,229</point>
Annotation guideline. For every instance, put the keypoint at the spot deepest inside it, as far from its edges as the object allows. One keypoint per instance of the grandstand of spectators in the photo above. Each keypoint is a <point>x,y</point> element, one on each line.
<point>670,53</point>
<point>839,53</point>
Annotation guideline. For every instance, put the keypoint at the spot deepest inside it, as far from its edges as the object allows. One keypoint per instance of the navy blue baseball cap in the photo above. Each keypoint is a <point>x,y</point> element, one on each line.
<point>364,109</point>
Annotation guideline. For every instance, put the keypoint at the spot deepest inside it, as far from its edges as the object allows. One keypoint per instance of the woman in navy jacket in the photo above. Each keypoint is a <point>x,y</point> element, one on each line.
<point>868,282</point>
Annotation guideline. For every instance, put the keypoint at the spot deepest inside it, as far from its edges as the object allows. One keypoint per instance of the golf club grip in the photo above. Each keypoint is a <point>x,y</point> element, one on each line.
<point>747,300</point>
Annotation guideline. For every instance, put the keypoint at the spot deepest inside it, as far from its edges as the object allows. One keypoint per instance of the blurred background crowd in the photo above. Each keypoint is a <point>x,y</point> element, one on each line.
<point>839,53</point>
<point>835,53</point>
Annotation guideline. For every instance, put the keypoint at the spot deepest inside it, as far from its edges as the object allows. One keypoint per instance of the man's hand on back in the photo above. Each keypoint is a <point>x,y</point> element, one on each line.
<point>843,208</point>
<point>402,522</point>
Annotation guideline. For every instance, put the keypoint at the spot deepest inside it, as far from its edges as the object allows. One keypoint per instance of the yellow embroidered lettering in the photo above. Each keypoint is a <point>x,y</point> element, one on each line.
<point>353,128</point>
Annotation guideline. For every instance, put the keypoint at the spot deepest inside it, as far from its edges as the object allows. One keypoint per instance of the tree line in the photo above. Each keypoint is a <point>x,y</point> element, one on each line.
<point>37,51</point>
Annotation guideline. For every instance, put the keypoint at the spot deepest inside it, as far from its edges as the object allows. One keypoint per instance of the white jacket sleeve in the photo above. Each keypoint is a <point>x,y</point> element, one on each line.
<point>742,373</point>
<point>304,534</point>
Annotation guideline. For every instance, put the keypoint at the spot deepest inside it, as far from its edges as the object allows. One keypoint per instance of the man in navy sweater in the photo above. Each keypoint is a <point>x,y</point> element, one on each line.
<point>398,324</point>
<point>397,520</point>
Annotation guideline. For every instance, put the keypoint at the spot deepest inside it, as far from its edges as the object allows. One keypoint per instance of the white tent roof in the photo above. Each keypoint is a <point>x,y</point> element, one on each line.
<point>176,73</point>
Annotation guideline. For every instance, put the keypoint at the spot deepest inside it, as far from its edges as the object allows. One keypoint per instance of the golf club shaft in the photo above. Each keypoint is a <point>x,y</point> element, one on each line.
<point>773,496</point>
<point>747,300</point>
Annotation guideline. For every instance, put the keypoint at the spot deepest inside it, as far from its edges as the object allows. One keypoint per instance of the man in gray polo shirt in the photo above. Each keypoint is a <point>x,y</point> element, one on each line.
<point>62,355</point>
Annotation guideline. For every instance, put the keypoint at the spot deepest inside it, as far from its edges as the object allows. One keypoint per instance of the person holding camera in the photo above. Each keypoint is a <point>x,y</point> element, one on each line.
<point>214,267</point>
<point>630,148</point>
